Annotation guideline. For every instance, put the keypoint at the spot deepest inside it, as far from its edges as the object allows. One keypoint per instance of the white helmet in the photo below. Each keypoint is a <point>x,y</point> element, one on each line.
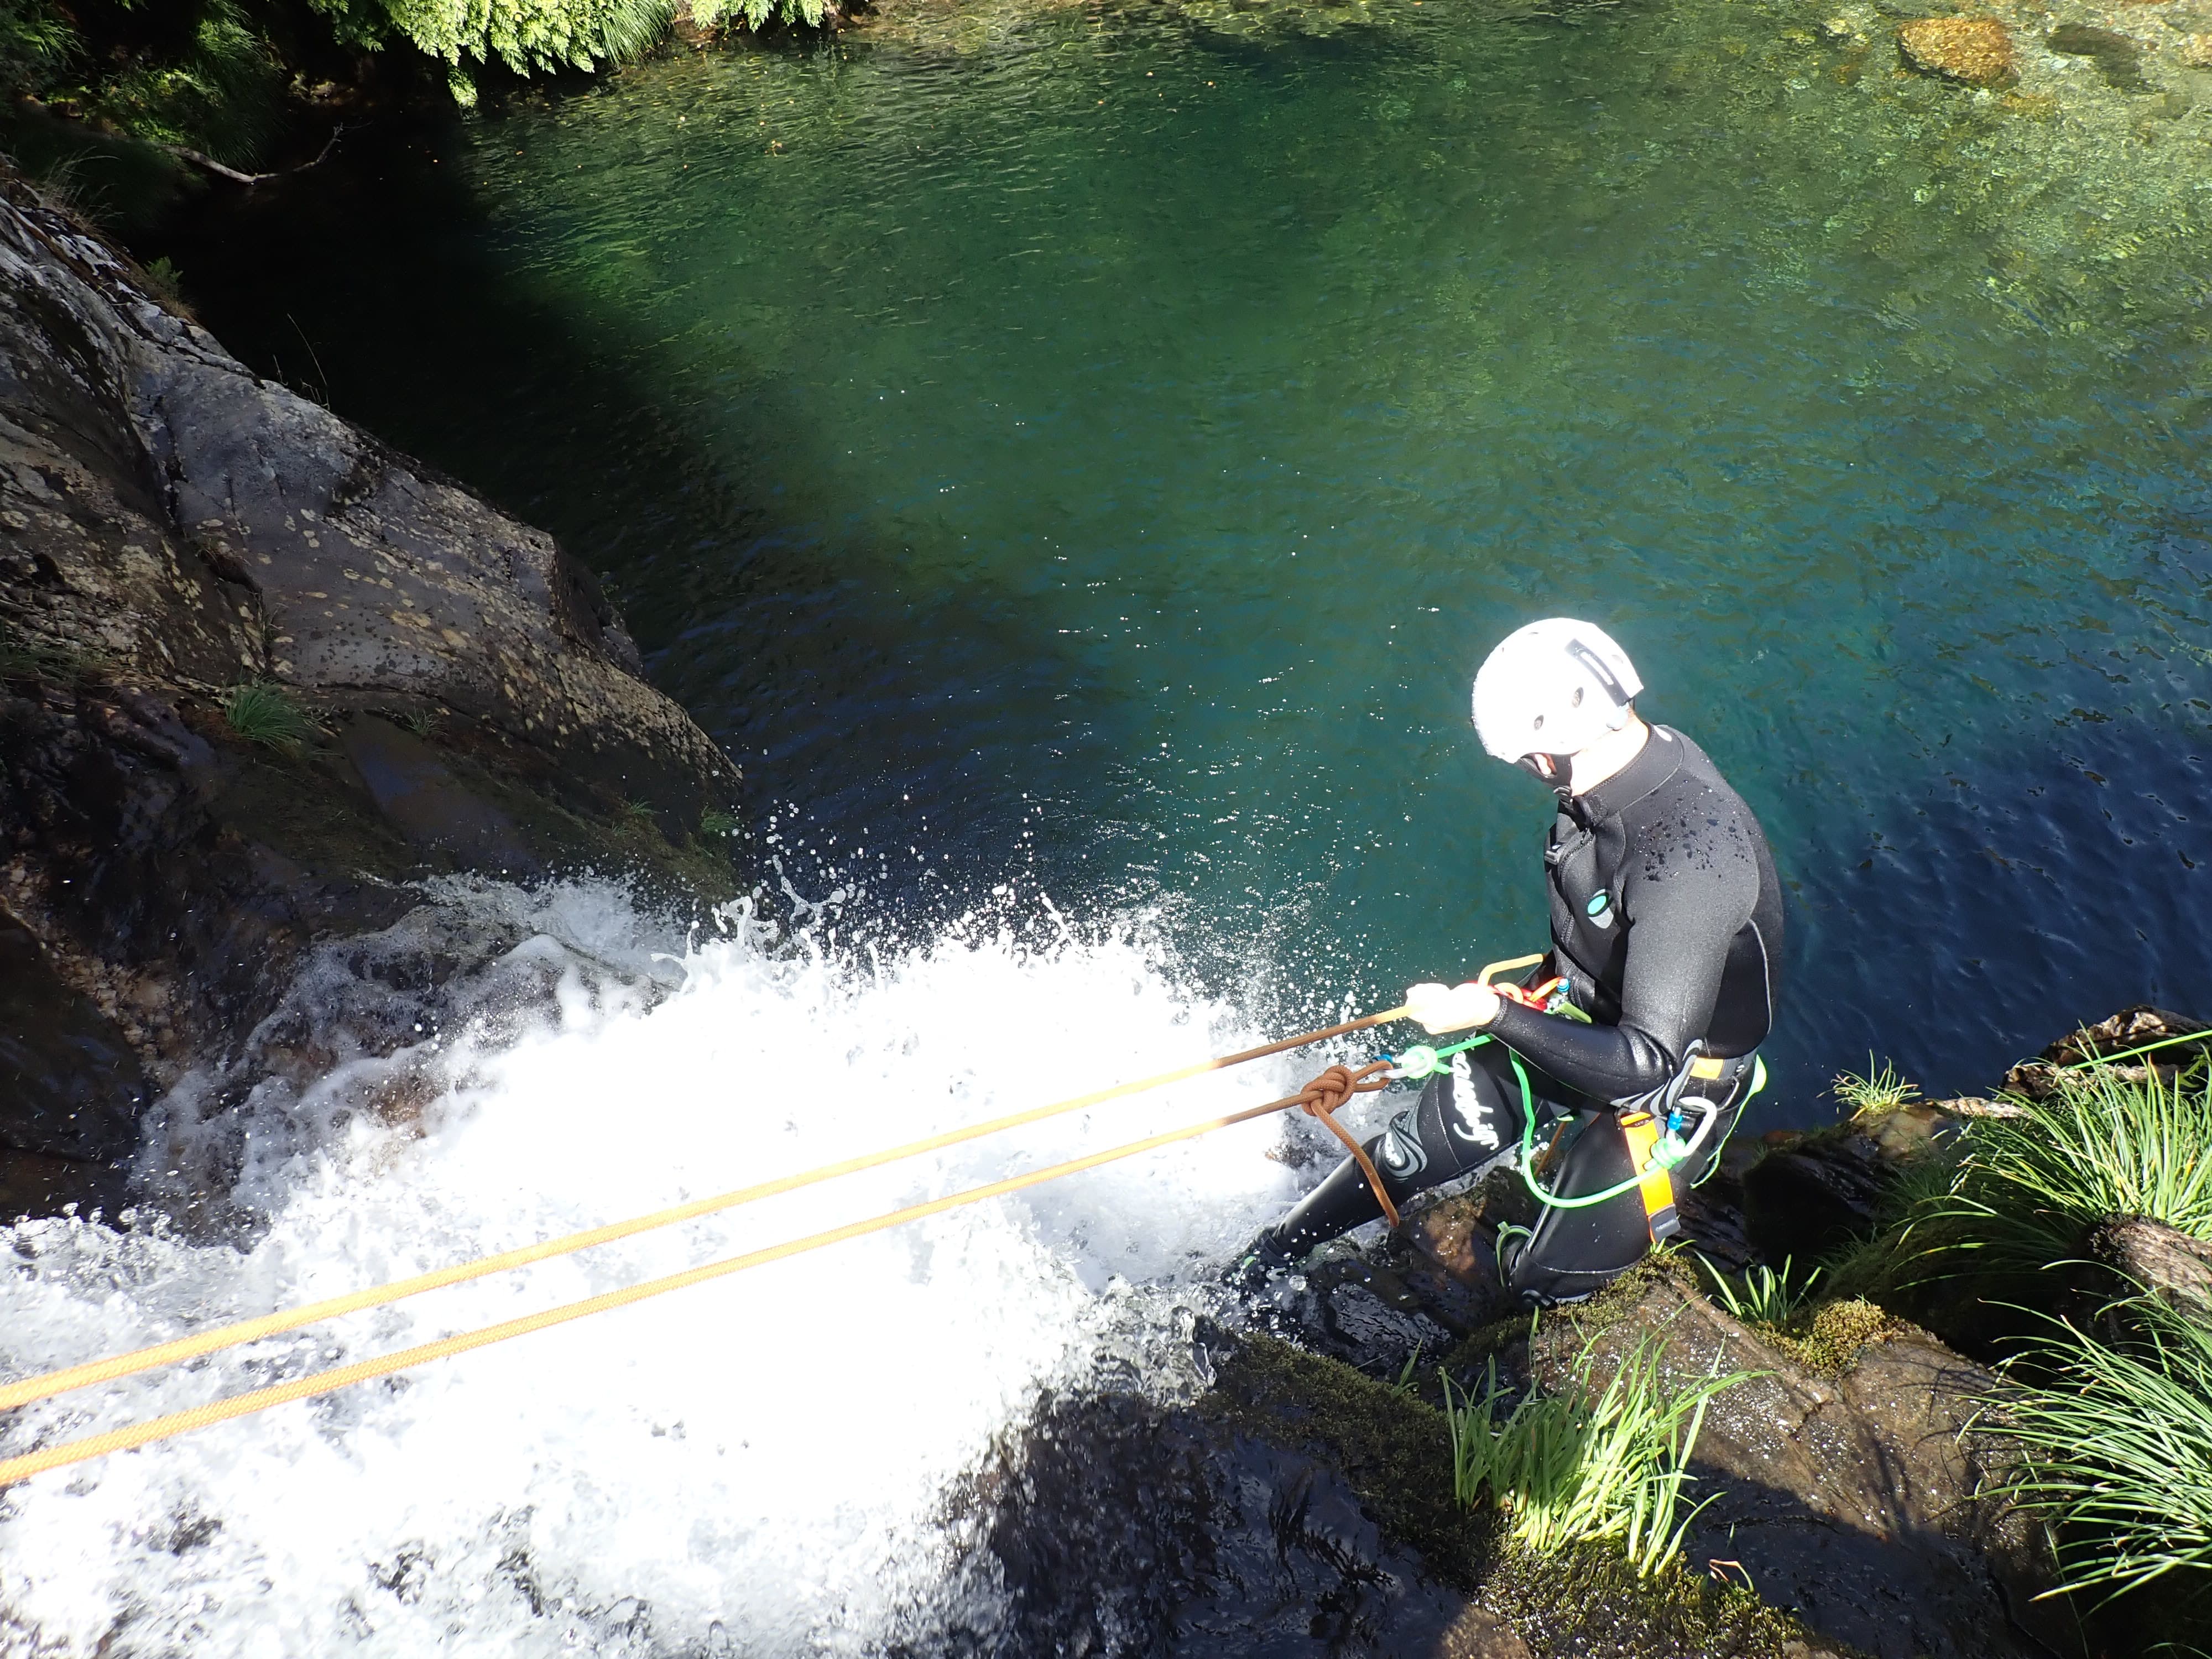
<point>1552,689</point>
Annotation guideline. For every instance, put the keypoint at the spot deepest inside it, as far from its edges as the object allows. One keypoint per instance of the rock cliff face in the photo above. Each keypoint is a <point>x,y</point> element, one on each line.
<point>172,528</point>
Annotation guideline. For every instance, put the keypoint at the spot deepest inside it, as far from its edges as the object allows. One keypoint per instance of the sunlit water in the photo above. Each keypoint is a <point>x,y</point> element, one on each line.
<point>1089,450</point>
<point>1102,441</point>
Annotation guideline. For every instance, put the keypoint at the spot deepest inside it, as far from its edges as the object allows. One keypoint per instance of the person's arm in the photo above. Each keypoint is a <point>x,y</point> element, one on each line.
<point>1682,924</point>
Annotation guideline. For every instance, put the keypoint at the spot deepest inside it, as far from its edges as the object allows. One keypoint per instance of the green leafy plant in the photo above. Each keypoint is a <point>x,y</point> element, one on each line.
<point>1878,1091</point>
<point>2027,1189</point>
<point>1762,1296</point>
<point>2117,1447</point>
<point>1403,1387</point>
<point>25,656</point>
<point>166,280</point>
<point>1586,1464</point>
<point>263,713</point>
<point>34,41</point>
<point>718,826</point>
<point>713,14</point>
<point>528,36</point>
<point>219,90</point>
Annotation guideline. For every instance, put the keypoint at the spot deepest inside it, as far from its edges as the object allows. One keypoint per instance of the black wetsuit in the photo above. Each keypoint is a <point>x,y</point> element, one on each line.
<point>1666,924</point>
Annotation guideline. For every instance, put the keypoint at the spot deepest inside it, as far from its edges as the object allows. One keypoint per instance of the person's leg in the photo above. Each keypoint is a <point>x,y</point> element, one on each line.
<point>1466,1117</point>
<point>1575,1250</point>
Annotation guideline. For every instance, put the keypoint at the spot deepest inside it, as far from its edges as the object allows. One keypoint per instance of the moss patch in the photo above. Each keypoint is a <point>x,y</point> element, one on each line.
<point>1590,1603</point>
<point>1829,1342</point>
<point>1491,1341</point>
<point>1394,1450</point>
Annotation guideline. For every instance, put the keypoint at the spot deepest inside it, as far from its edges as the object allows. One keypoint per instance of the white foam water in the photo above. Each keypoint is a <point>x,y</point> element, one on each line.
<point>757,1466</point>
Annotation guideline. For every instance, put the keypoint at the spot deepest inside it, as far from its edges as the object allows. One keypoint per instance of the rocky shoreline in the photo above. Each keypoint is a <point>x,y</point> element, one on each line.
<point>260,678</point>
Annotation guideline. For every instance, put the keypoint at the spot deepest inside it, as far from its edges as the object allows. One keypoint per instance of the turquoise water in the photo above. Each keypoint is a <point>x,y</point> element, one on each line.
<point>1092,447</point>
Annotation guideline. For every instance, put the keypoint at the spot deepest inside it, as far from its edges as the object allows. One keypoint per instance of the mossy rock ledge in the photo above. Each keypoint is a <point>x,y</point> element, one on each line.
<point>461,699</point>
<point>1300,1507</point>
<point>1850,1510</point>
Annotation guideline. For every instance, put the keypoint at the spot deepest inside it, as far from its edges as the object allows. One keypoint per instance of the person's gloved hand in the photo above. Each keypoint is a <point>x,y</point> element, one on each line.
<point>1441,1008</point>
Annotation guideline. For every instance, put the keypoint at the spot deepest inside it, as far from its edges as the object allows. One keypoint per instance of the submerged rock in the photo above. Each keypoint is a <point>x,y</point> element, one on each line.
<point>1974,51</point>
<point>2117,57</point>
<point>438,687</point>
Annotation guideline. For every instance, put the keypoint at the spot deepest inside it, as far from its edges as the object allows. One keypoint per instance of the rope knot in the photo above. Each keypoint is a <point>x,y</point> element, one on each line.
<point>1322,1097</point>
<point>1336,1085</point>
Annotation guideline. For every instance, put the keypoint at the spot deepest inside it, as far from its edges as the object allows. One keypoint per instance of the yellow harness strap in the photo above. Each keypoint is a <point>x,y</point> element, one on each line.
<point>1654,1182</point>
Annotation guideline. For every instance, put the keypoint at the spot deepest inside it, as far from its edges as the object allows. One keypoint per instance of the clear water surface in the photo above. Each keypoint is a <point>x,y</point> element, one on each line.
<point>1093,445</point>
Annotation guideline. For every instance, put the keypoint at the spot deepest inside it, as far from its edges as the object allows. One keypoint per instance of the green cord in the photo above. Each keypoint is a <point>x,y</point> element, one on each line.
<point>1432,1058</point>
<point>1659,1158</point>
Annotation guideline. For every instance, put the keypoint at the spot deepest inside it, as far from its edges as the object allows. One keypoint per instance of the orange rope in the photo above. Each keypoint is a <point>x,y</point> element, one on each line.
<point>1330,1091</point>
<point>222,1410</point>
<point>247,1330</point>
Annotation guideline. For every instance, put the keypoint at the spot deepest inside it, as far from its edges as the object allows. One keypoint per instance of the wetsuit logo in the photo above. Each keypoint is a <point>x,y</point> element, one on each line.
<point>1600,908</point>
<point>1470,1114</point>
<point>1399,1151</point>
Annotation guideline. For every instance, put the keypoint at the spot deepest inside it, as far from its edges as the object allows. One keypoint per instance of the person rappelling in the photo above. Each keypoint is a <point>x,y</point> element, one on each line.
<point>1633,1050</point>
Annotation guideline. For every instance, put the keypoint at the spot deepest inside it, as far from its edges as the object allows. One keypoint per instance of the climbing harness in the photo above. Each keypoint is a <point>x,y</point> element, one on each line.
<point>1321,1097</point>
<point>1657,1147</point>
<point>1654,1124</point>
<point>1653,1179</point>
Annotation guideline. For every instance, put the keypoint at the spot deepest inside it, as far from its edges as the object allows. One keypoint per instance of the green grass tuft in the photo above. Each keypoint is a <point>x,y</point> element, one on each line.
<point>263,713</point>
<point>718,826</point>
<point>2117,1446</point>
<point>23,656</point>
<point>1878,1091</point>
<point>2027,1189</point>
<point>1587,1465</point>
<point>1762,1296</point>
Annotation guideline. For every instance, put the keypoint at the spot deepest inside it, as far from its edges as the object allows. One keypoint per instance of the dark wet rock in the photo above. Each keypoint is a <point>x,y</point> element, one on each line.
<point>2130,1029</point>
<point>1973,51</point>
<point>2170,1264</point>
<point>1113,1526</point>
<point>1854,1500</point>
<point>1367,1314</point>
<point>171,527</point>
<point>1803,1199</point>
<point>2117,57</point>
<point>420,797</point>
<point>1804,1194</point>
<point>70,1085</point>
<point>1713,1213</point>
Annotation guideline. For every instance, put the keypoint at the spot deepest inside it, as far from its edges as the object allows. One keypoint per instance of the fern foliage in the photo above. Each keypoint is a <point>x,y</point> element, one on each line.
<point>528,36</point>
<point>753,14</point>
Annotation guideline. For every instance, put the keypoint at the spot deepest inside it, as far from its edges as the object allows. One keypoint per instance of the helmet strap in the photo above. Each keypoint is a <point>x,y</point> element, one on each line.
<point>1558,770</point>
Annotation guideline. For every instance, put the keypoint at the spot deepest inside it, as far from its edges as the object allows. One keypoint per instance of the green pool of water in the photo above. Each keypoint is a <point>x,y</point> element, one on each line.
<point>1092,447</point>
